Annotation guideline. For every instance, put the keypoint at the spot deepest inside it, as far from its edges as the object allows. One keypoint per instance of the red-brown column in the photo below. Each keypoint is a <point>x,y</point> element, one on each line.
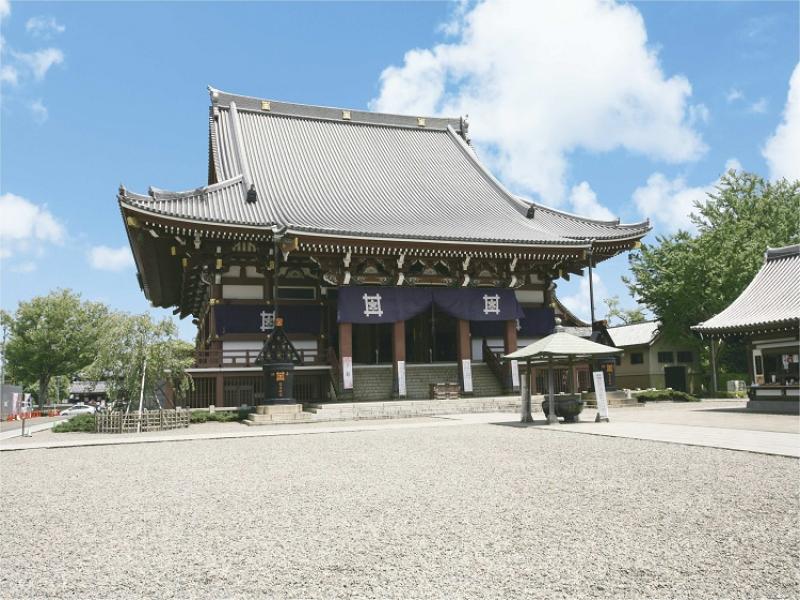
<point>509,345</point>
<point>346,356</point>
<point>464,342</point>
<point>399,359</point>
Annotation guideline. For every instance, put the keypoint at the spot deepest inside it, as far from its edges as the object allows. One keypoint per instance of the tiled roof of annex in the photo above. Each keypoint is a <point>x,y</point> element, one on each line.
<point>772,300</point>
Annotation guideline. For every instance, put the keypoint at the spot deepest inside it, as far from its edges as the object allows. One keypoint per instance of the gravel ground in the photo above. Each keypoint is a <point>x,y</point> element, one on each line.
<point>474,511</point>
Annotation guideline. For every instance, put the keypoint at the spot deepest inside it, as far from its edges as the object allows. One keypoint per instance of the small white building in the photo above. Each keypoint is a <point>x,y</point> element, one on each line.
<point>649,361</point>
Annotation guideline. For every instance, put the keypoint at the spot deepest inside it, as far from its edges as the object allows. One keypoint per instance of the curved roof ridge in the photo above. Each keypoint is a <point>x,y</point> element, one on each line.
<point>569,215</point>
<point>155,193</point>
<point>782,252</point>
<point>223,99</point>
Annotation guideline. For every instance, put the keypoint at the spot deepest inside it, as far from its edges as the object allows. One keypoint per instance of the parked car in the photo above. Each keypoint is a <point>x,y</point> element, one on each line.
<point>78,409</point>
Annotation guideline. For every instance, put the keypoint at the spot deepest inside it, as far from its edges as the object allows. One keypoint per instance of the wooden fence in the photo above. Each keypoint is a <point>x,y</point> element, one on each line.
<point>152,420</point>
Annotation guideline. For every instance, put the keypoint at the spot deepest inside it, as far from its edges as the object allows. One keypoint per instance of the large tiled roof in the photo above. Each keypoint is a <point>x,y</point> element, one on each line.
<point>336,172</point>
<point>771,301</point>
<point>636,334</point>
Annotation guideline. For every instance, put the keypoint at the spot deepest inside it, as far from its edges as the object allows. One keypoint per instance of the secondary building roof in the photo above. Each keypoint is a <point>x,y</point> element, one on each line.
<point>770,303</point>
<point>561,344</point>
<point>636,334</point>
<point>347,173</point>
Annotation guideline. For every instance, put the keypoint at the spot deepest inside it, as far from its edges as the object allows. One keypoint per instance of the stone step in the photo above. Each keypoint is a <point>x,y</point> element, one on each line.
<point>267,419</point>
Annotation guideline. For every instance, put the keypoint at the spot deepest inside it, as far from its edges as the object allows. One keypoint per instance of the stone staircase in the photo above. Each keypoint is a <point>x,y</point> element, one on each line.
<point>396,409</point>
<point>374,383</point>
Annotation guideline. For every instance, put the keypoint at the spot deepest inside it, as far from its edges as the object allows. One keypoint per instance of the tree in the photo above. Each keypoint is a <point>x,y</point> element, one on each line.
<point>685,279</point>
<point>125,343</point>
<point>49,336</point>
<point>626,316</point>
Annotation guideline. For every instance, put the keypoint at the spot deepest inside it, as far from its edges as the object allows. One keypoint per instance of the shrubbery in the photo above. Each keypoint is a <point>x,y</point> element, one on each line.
<point>84,423</point>
<point>201,416</point>
<point>668,395</point>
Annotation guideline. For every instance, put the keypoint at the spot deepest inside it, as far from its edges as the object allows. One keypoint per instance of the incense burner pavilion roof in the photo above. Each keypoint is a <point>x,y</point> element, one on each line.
<point>771,301</point>
<point>356,174</point>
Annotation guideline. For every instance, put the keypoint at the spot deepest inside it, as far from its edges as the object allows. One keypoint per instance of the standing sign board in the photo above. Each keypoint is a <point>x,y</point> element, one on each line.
<point>467,370</point>
<point>347,372</point>
<point>401,378</point>
<point>600,395</point>
<point>515,373</point>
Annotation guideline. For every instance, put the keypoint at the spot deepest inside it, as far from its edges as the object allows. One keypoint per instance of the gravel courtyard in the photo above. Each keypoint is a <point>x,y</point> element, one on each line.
<point>473,511</point>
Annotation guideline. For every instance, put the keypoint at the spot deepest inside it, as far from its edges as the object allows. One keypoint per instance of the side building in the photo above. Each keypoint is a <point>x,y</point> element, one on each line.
<point>388,249</point>
<point>649,361</point>
<point>767,316</point>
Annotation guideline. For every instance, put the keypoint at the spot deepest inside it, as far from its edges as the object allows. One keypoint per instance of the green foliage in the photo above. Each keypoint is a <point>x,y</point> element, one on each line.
<point>50,336</point>
<point>202,416</point>
<point>624,316</point>
<point>668,395</point>
<point>125,342</point>
<point>84,423</point>
<point>685,279</point>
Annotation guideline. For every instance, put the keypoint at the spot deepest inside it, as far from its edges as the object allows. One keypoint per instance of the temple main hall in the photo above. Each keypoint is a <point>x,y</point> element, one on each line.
<point>395,259</point>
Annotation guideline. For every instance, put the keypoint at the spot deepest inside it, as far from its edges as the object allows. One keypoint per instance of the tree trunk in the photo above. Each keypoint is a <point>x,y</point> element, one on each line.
<point>44,383</point>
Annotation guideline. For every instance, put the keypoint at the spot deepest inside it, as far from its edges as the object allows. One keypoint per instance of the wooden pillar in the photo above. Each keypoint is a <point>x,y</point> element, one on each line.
<point>214,344</point>
<point>510,382</point>
<point>399,359</point>
<point>464,343</point>
<point>346,357</point>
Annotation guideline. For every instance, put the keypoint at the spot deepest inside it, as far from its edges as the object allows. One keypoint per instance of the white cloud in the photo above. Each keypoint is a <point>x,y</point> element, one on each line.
<point>40,61</point>
<point>110,259</point>
<point>5,8</point>
<point>759,106</point>
<point>541,79</point>
<point>39,111</point>
<point>25,267</point>
<point>699,113</point>
<point>734,94</point>
<point>782,150</point>
<point>9,75</point>
<point>25,223</point>
<point>670,202</point>
<point>43,27</point>
<point>578,303</point>
<point>583,201</point>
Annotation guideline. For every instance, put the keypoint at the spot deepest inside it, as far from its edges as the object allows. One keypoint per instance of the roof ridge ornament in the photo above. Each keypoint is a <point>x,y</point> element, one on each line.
<point>252,194</point>
<point>558,328</point>
<point>464,128</point>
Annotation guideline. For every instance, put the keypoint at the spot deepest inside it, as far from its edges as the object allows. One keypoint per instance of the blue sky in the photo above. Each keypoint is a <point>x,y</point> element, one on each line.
<point>628,109</point>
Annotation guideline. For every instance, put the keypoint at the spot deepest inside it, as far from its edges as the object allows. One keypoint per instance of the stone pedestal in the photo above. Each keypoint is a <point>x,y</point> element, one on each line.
<point>277,413</point>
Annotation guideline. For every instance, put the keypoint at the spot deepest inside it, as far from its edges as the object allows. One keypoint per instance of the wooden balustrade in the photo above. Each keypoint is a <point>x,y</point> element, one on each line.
<point>246,358</point>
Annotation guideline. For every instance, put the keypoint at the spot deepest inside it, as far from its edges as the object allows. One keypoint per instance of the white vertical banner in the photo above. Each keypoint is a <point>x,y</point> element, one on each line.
<point>600,395</point>
<point>347,372</point>
<point>401,378</point>
<point>15,399</point>
<point>515,373</point>
<point>466,368</point>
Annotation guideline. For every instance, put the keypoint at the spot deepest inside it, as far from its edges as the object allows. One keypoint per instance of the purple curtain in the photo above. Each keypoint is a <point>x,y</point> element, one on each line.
<point>247,318</point>
<point>375,304</point>
<point>479,304</point>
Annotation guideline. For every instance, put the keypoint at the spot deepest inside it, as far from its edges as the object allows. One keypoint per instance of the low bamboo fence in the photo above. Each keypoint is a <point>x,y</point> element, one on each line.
<point>152,420</point>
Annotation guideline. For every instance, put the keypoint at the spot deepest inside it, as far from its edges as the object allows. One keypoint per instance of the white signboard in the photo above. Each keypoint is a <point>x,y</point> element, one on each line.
<point>515,373</point>
<point>466,367</point>
<point>401,378</point>
<point>347,372</point>
<point>600,395</point>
